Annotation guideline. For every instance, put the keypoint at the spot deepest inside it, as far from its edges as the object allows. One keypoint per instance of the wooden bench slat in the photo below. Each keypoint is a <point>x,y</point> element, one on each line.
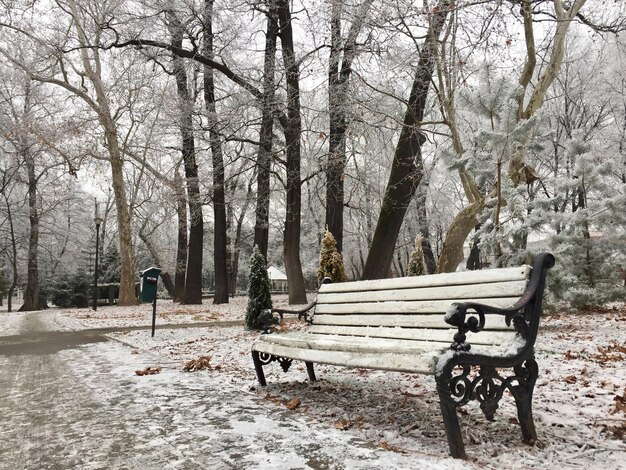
<point>408,307</point>
<point>355,344</point>
<point>492,290</point>
<point>493,322</point>
<point>446,279</point>
<point>424,363</point>
<point>485,337</point>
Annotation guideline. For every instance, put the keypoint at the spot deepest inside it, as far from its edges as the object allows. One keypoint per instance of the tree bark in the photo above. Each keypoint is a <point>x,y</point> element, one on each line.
<point>93,71</point>
<point>220,255</point>
<point>264,159</point>
<point>181,248</point>
<point>406,169</point>
<point>422,223</point>
<point>339,72</point>
<point>293,128</point>
<point>31,294</point>
<point>193,275</point>
<point>13,253</point>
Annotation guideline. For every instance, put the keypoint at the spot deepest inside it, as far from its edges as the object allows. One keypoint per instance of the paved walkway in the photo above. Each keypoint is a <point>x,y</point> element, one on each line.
<point>71,400</point>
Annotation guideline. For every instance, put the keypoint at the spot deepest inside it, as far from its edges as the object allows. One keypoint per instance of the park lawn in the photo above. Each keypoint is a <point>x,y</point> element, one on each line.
<point>579,402</point>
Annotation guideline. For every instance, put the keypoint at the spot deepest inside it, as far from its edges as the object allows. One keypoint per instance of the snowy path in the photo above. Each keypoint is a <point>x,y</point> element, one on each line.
<point>70,402</point>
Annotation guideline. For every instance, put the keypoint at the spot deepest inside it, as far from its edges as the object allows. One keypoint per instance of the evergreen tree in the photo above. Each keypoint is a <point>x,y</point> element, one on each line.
<point>331,261</point>
<point>71,290</point>
<point>259,297</point>
<point>109,267</point>
<point>417,266</point>
<point>590,244</point>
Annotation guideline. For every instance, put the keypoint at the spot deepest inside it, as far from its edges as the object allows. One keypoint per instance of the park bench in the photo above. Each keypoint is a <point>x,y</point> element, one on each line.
<point>465,328</point>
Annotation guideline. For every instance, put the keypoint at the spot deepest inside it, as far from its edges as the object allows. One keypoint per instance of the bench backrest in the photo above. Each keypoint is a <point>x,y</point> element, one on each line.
<point>414,307</point>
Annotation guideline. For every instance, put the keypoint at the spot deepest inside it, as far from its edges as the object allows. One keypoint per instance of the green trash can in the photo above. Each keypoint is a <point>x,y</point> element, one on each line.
<point>149,280</point>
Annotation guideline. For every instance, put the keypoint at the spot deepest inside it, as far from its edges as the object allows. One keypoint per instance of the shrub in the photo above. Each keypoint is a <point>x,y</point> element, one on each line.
<point>259,297</point>
<point>71,290</point>
<point>331,261</point>
<point>417,266</point>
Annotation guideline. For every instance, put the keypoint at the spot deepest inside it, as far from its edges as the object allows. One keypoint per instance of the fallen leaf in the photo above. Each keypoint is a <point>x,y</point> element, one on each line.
<point>343,424</point>
<point>570,379</point>
<point>620,403</point>
<point>149,371</point>
<point>203,362</point>
<point>293,403</point>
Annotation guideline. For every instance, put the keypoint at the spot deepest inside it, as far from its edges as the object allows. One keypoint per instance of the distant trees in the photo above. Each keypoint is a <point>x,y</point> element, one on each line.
<point>377,120</point>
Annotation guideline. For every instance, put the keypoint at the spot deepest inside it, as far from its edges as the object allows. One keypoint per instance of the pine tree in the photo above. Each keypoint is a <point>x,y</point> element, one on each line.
<point>417,266</point>
<point>110,265</point>
<point>259,297</point>
<point>331,261</point>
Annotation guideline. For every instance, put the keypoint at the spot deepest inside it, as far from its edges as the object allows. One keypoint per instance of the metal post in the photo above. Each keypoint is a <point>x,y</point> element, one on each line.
<point>153,315</point>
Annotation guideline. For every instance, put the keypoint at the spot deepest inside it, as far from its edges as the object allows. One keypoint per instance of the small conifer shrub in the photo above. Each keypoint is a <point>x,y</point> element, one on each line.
<point>259,297</point>
<point>331,261</point>
<point>417,266</point>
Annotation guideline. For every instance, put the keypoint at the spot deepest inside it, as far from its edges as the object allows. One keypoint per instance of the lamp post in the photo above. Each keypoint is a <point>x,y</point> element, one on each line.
<point>98,220</point>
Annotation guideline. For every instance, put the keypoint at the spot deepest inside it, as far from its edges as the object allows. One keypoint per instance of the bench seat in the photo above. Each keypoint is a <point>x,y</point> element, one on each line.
<point>440,324</point>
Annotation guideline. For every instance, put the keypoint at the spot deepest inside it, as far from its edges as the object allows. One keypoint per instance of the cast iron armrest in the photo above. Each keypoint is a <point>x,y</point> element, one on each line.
<point>456,314</point>
<point>302,313</point>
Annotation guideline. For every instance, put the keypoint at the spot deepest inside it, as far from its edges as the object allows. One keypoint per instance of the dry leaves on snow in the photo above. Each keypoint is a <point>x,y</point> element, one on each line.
<point>293,403</point>
<point>343,424</point>
<point>149,371</point>
<point>620,403</point>
<point>202,363</point>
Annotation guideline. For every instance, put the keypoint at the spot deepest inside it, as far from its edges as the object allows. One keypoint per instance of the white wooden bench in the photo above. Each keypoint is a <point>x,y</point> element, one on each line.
<point>440,324</point>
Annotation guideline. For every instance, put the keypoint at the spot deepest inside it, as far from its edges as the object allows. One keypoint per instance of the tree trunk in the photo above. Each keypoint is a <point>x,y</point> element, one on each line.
<point>339,72</point>
<point>93,71</point>
<point>422,223</point>
<point>13,253</point>
<point>462,225</point>
<point>406,169</point>
<point>293,128</point>
<point>193,275</point>
<point>181,249</point>
<point>220,255</point>
<point>154,253</point>
<point>264,159</point>
<point>31,294</point>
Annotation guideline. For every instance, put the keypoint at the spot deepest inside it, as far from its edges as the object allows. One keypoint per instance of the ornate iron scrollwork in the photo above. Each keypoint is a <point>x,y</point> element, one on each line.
<point>266,358</point>
<point>488,386</point>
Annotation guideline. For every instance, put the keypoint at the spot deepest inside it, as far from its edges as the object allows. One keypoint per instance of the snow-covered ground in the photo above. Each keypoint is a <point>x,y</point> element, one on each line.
<point>579,402</point>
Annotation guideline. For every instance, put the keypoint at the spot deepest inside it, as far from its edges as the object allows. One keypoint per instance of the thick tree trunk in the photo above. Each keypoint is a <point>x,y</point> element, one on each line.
<point>452,251</point>
<point>181,248</point>
<point>31,294</point>
<point>264,159</point>
<point>93,71</point>
<point>220,255</point>
<point>406,169</point>
<point>293,266</point>
<point>193,275</point>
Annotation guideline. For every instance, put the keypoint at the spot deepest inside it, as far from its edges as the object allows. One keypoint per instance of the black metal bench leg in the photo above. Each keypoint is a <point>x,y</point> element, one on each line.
<point>523,394</point>
<point>258,366</point>
<point>310,371</point>
<point>450,419</point>
<point>453,429</point>
<point>523,400</point>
